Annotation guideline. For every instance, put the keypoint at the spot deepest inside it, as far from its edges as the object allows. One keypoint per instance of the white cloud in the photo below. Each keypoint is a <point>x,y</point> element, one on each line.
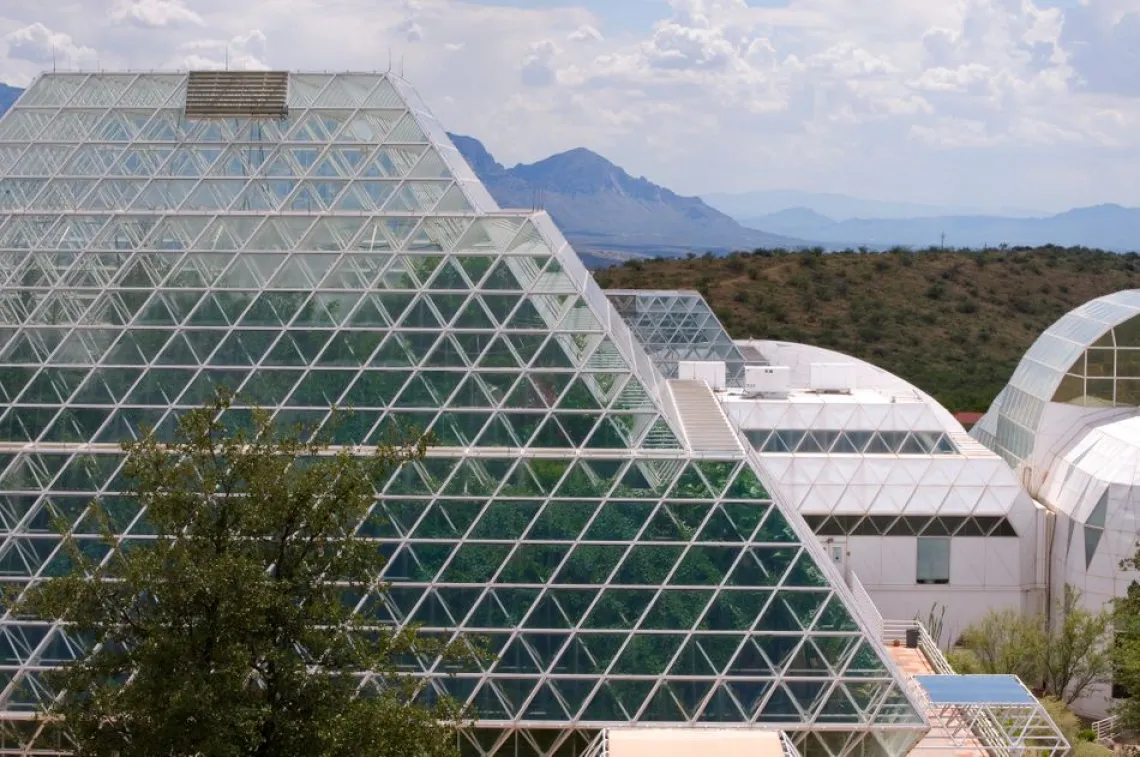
<point>409,27</point>
<point>1104,37</point>
<point>585,33</point>
<point>153,14</point>
<point>538,63</point>
<point>848,60</point>
<point>955,133</point>
<point>870,97</point>
<point>36,43</point>
<point>410,30</point>
<point>242,52</point>
<point>964,78</point>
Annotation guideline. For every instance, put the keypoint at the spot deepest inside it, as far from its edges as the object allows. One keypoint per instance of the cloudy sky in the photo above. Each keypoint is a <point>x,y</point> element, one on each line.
<point>990,103</point>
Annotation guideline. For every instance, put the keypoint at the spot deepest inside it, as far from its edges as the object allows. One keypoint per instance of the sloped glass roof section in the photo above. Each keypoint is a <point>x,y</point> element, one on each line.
<point>346,256</point>
<point>1090,357</point>
<point>678,325</point>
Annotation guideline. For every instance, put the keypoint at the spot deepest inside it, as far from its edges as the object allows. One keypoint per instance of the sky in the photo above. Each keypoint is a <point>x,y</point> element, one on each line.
<point>979,103</point>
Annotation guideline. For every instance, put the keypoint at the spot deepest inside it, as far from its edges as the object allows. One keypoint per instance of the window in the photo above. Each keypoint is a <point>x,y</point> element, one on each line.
<point>909,525</point>
<point>852,442</point>
<point>933,560</point>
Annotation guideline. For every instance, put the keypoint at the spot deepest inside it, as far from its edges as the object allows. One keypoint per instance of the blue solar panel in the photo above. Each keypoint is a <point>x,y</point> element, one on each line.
<point>977,689</point>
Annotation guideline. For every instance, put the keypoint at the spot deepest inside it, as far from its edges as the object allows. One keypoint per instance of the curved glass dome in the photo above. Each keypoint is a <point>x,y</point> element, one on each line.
<point>1090,357</point>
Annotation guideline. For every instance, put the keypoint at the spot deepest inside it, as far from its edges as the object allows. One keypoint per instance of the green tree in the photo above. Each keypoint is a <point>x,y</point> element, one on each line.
<point>1061,657</point>
<point>1006,642</point>
<point>1077,653</point>
<point>231,632</point>
<point>1126,652</point>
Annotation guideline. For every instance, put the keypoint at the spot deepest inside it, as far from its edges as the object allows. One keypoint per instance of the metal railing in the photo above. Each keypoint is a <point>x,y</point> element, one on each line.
<point>1106,730</point>
<point>865,605</point>
<point>987,727</point>
<point>896,630</point>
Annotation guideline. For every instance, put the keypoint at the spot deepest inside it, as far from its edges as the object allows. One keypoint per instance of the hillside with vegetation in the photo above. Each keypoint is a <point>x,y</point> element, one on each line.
<point>954,323</point>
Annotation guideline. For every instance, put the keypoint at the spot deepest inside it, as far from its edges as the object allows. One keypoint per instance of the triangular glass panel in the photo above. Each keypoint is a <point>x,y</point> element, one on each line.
<point>454,201</point>
<point>407,131</point>
<point>392,162</point>
<point>370,126</point>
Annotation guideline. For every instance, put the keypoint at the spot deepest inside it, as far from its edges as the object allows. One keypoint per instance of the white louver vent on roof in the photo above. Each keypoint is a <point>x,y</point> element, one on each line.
<point>237,94</point>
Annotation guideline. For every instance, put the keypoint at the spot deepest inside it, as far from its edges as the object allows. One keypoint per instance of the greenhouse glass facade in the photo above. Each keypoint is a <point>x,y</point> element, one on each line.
<point>674,326</point>
<point>1090,358</point>
<point>161,236</point>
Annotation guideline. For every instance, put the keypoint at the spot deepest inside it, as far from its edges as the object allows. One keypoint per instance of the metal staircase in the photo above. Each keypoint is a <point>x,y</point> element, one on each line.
<point>968,446</point>
<point>703,421</point>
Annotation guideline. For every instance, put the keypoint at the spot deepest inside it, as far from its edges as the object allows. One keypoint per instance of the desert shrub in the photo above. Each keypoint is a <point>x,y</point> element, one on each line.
<point>1089,749</point>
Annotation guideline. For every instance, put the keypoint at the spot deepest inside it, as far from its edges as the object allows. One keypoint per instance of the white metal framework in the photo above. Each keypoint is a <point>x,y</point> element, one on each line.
<point>988,714</point>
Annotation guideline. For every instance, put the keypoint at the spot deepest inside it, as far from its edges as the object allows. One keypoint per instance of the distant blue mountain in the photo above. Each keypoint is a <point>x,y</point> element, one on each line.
<point>8,96</point>
<point>1109,227</point>
<point>601,208</point>
<point>840,207</point>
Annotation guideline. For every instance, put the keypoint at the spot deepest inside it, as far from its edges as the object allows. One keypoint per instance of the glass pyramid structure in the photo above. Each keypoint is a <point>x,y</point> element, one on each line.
<point>342,254</point>
<point>674,326</point>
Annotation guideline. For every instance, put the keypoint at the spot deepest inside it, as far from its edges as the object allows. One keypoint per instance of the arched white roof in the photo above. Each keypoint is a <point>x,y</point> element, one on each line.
<point>1095,484</point>
<point>1102,456</point>
<point>1014,419</point>
<point>799,358</point>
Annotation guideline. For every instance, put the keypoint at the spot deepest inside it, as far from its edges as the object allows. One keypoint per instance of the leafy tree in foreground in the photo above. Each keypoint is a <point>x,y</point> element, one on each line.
<point>1078,653</point>
<point>231,633</point>
<point>1126,651</point>
<point>1062,658</point>
<point>1006,642</point>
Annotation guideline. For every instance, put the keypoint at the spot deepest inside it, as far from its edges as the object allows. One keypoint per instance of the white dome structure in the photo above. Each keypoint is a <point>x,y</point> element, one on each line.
<point>1068,423</point>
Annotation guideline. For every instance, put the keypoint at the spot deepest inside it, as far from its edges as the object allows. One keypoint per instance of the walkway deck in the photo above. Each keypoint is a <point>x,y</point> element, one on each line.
<point>938,742</point>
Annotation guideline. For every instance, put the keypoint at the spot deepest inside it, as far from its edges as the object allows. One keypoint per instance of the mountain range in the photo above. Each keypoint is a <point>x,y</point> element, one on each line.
<point>604,211</point>
<point>8,96</point>
<point>610,215</point>
<point>748,206</point>
<point>1108,227</point>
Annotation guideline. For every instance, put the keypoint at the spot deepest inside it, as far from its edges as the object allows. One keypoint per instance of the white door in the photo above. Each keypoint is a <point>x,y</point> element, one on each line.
<point>837,550</point>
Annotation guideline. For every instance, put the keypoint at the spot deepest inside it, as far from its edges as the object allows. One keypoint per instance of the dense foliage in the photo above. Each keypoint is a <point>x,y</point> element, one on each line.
<point>954,323</point>
<point>1080,738</point>
<point>230,631</point>
<point>1126,658</point>
<point>1061,657</point>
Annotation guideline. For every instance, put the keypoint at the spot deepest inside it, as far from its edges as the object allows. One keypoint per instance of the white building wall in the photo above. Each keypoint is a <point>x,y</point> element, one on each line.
<point>985,574</point>
<point>1095,459</point>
